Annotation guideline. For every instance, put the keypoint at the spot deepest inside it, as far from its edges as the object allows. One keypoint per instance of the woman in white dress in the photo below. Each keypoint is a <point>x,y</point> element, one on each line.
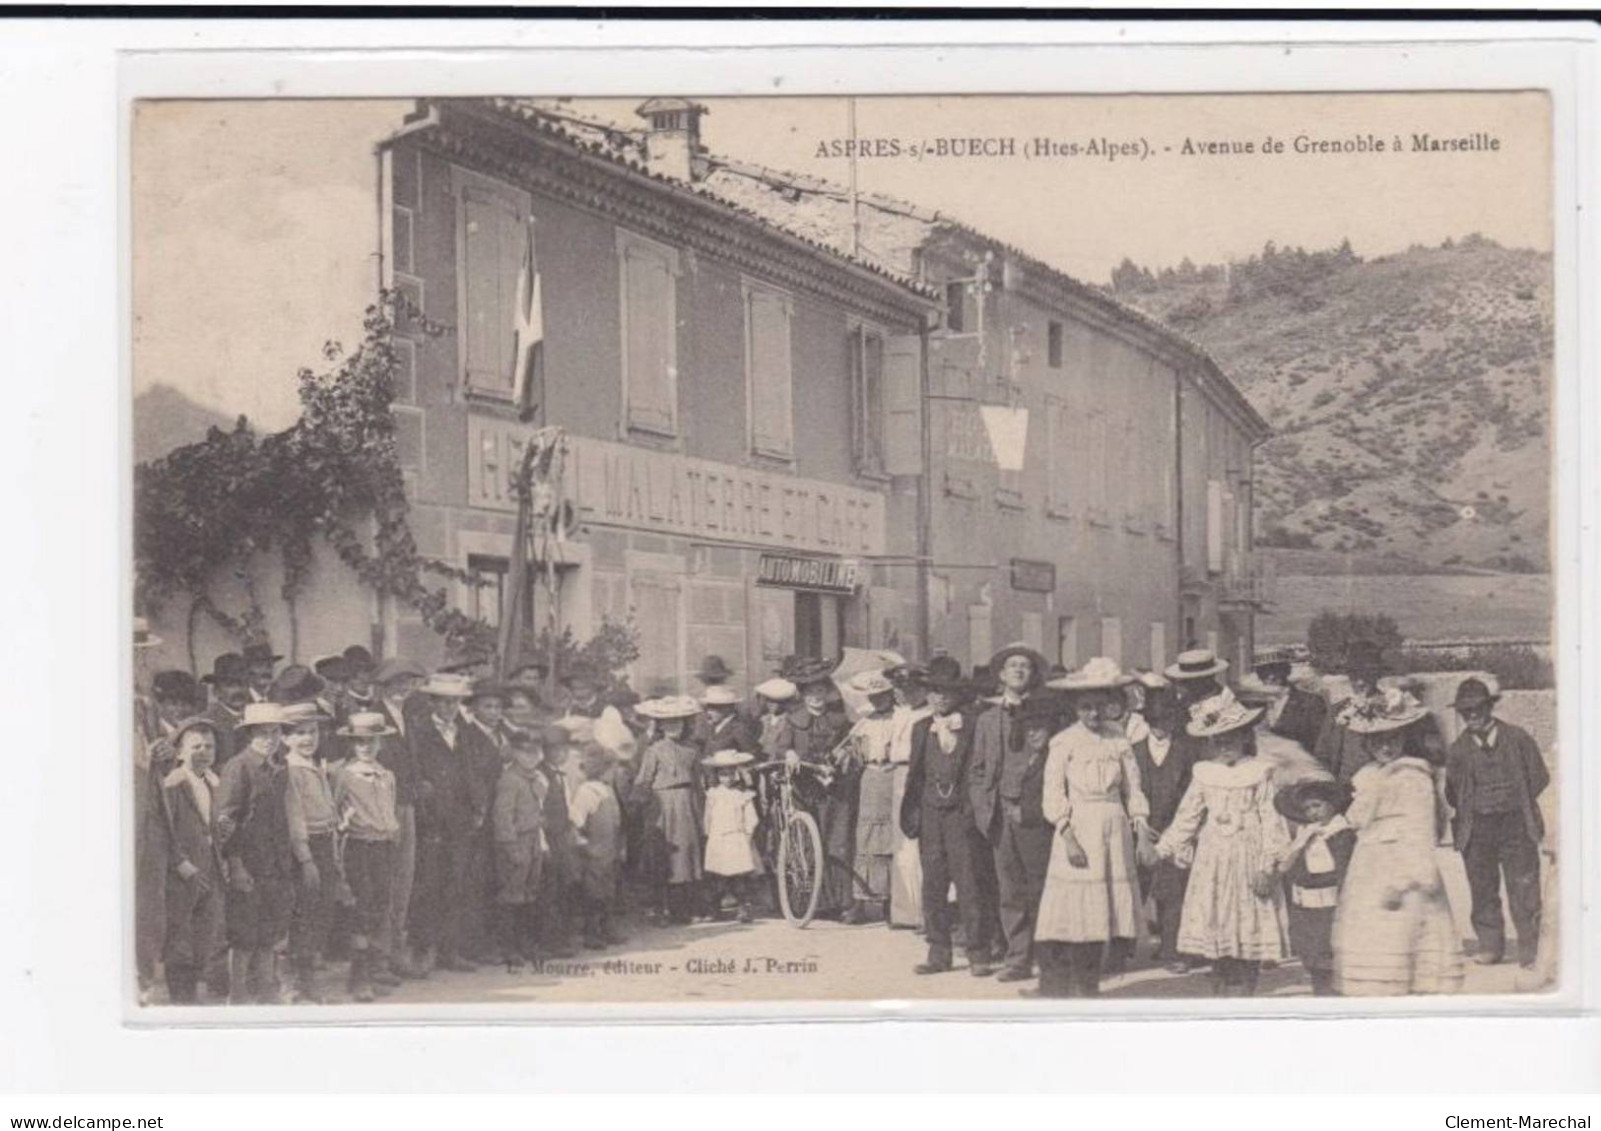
<point>1234,839</point>
<point>1091,792</point>
<point>869,745</point>
<point>1393,932</point>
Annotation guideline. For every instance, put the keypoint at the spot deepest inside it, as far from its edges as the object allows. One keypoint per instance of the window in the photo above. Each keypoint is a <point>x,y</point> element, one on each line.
<point>867,382</point>
<point>979,648</point>
<point>956,307</point>
<point>1059,472</point>
<point>1067,641</point>
<point>1053,344</point>
<point>1158,645</point>
<point>486,595</point>
<point>1033,631</point>
<point>493,240</point>
<point>767,372</point>
<point>1112,638</point>
<point>400,228</point>
<point>1214,526</point>
<point>648,274</point>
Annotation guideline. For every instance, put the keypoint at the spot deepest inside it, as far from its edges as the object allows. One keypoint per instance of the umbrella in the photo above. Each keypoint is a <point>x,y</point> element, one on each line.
<point>853,663</point>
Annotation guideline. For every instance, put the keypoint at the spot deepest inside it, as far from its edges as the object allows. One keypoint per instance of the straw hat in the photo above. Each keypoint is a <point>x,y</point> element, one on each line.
<point>1099,674</point>
<point>1389,710</point>
<point>669,707</point>
<point>871,683</point>
<point>1292,799</point>
<point>1221,714</point>
<point>720,695</point>
<point>727,759</point>
<point>296,713</point>
<point>366,724</point>
<point>777,689</point>
<point>142,636</point>
<point>1197,663</point>
<point>452,684</point>
<point>261,715</point>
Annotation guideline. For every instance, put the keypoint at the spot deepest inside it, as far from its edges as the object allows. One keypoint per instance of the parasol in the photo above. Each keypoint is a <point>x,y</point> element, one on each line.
<point>853,663</point>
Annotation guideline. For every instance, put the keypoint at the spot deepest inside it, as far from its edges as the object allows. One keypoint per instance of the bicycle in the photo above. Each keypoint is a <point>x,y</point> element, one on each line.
<point>798,861</point>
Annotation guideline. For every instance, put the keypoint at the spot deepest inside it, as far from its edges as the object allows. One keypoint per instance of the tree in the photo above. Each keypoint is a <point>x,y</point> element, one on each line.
<point>1330,635</point>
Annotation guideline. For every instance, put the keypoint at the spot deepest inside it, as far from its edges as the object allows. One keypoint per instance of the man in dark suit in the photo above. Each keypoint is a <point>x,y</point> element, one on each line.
<point>1294,714</point>
<point>393,687</point>
<point>1004,773</point>
<point>450,811</point>
<point>937,812</point>
<point>1494,776</point>
<point>230,690</point>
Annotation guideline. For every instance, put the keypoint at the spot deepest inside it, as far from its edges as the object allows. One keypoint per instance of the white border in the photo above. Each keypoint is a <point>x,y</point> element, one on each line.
<point>69,117</point>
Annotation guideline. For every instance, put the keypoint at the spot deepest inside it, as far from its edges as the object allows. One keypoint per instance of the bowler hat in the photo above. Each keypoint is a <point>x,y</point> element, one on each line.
<point>944,667</point>
<point>334,668</point>
<point>227,668</point>
<point>713,670</point>
<point>1474,692</point>
<point>1291,800</point>
<point>176,684</point>
<point>295,684</point>
<point>261,653</point>
<point>396,667</point>
<point>359,660</point>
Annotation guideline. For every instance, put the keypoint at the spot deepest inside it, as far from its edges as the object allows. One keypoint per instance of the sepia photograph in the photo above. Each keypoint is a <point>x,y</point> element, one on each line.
<point>984,549</point>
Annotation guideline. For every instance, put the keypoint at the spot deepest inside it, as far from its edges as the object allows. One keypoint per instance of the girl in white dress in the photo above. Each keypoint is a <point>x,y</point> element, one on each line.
<point>1091,792</point>
<point>730,833</point>
<point>1234,839</point>
<point>1393,932</point>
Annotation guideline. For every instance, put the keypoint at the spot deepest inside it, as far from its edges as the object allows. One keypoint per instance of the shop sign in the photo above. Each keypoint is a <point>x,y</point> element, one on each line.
<point>1033,577</point>
<point>817,575</point>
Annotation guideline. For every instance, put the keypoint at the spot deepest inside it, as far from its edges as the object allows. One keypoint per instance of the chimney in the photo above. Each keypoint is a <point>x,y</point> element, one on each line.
<point>673,141</point>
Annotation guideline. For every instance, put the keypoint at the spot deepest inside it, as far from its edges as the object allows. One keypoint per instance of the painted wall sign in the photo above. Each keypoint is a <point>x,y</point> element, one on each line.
<point>1033,577</point>
<point>821,575</point>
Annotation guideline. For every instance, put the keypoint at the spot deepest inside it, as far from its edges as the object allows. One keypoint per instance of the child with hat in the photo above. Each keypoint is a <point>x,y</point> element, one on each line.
<point>253,830</point>
<point>554,907</point>
<point>312,820</point>
<point>774,698</point>
<point>597,819</point>
<point>518,828</point>
<point>668,786</point>
<point>369,828</point>
<point>191,861</point>
<point>1315,865</point>
<point>730,826</point>
<point>1232,838</point>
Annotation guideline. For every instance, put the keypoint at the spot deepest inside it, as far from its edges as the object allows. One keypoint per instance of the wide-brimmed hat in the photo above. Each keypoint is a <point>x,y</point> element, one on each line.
<point>1390,709</point>
<point>367,724</point>
<point>808,671</point>
<point>944,667</point>
<point>359,660</point>
<point>1251,690</point>
<point>1018,648</point>
<point>452,684</point>
<point>1274,669</point>
<point>948,681</point>
<point>907,675</point>
<point>193,722</point>
<point>777,689</point>
<point>227,668</point>
<point>1221,714</point>
<point>175,684</point>
<point>1473,691</point>
<point>720,695</point>
<point>1100,674</point>
<point>397,666</point>
<point>728,759</point>
<point>1197,663</point>
<point>668,707</point>
<point>296,684</point>
<point>1292,799</point>
<point>142,636</point>
<point>871,683</point>
<point>713,670</point>
<point>260,653</point>
<point>261,715</point>
<point>334,668</point>
<point>296,713</point>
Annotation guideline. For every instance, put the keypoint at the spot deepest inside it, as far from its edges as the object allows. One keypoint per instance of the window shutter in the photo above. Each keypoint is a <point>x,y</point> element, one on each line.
<point>903,405</point>
<point>481,270</point>
<point>1214,526</point>
<point>650,355</point>
<point>1112,638</point>
<point>768,319</point>
<point>1158,659</point>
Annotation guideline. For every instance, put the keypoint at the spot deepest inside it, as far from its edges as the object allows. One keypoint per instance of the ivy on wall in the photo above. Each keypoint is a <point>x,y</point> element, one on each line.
<point>212,509</point>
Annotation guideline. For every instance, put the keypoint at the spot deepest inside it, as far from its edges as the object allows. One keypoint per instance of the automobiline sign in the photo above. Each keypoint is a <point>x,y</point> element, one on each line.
<point>822,575</point>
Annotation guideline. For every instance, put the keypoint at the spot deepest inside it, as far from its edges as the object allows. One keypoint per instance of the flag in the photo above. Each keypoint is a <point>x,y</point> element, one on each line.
<point>529,379</point>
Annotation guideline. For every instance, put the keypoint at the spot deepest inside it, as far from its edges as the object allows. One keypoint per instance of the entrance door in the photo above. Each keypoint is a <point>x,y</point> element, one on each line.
<point>819,625</point>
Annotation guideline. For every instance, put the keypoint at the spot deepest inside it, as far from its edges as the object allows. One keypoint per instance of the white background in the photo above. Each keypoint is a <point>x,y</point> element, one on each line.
<point>65,458</point>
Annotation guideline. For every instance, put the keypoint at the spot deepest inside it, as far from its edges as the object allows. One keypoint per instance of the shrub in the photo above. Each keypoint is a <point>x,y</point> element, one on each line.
<point>1330,633</point>
<point>1516,667</point>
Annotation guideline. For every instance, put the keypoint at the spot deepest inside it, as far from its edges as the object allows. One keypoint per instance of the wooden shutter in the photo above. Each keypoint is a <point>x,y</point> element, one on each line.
<point>651,352</point>
<point>903,405</point>
<point>491,249</point>
<point>1112,638</point>
<point>767,321</point>
<point>1158,658</point>
<point>1214,526</point>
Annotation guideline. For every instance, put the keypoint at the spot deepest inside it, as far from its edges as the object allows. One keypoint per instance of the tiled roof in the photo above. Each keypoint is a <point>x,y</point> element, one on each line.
<point>887,235</point>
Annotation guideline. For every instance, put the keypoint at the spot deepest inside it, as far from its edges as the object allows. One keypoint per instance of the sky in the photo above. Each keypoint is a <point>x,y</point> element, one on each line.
<point>255,222</point>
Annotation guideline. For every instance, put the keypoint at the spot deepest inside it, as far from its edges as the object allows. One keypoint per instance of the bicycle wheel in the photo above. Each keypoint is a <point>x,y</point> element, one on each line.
<point>800,869</point>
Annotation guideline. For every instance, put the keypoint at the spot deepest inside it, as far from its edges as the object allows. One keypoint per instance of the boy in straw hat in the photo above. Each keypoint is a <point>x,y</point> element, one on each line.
<point>369,825</point>
<point>313,821</point>
<point>253,829</point>
<point>730,826</point>
<point>1494,778</point>
<point>1228,832</point>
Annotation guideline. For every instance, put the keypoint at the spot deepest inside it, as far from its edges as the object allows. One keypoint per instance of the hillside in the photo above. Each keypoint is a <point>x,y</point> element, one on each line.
<point>1408,393</point>
<point>163,419</point>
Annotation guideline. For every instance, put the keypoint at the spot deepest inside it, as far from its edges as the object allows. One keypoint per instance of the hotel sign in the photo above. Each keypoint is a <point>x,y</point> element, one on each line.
<point>666,493</point>
<point>818,575</point>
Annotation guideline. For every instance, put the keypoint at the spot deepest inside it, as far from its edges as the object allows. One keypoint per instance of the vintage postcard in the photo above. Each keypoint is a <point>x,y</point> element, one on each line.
<point>976,549</point>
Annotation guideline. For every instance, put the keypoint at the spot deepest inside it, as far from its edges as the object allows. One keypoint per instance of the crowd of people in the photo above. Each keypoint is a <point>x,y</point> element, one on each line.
<point>394,821</point>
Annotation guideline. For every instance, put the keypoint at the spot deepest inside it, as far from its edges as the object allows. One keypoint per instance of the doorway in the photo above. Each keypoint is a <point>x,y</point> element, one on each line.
<point>819,625</point>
